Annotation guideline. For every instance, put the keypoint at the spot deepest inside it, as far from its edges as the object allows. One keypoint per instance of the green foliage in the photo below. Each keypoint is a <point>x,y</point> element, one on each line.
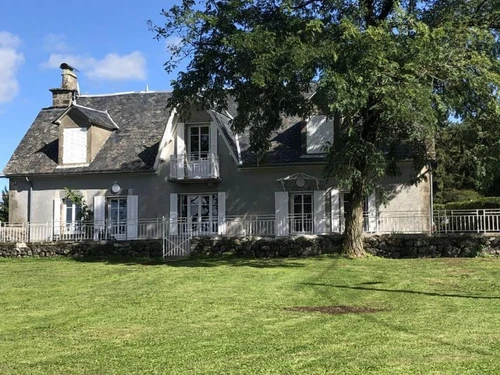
<point>4,206</point>
<point>76,197</point>
<point>467,158</point>
<point>388,72</point>
<point>481,203</point>
<point>460,195</point>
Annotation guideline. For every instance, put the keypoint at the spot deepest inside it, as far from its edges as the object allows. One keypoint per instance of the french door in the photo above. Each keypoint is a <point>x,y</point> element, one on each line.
<point>117,214</point>
<point>302,213</point>
<point>199,213</point>
<point>199,142</point>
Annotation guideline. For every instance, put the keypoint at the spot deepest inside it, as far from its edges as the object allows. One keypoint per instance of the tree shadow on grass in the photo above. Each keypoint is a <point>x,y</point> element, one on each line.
<point>432,294</point>
<point>231,261</point>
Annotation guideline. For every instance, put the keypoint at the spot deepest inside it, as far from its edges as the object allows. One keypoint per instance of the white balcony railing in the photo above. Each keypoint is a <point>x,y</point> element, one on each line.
<point>183,167</point>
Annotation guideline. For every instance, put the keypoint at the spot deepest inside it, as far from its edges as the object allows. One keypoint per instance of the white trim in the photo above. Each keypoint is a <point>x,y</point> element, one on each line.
<point>211,113</point>
<point>165,140</point>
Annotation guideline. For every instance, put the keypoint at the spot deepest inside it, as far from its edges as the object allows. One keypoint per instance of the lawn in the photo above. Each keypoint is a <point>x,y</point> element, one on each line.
<point>229,316</point>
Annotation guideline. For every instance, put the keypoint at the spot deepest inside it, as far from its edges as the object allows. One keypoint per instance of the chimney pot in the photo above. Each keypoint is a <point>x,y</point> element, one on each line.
<point>63,96</point>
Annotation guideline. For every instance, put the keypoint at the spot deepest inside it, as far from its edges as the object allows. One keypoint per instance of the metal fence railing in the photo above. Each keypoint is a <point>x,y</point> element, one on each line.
<point>449,221</point>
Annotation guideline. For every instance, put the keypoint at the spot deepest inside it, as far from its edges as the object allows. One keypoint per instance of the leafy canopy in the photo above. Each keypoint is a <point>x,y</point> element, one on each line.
<point>389,72</point>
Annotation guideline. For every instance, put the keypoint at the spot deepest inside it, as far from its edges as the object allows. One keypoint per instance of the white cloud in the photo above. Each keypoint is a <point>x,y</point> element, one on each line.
<point>119,68</point>
<point>55,43</point>
<point>10,61</point>
<point>112,67</point>
<point>81,62</point>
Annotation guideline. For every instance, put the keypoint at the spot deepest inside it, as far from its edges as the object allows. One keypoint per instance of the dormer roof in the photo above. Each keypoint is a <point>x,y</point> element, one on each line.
<point>94,116</point>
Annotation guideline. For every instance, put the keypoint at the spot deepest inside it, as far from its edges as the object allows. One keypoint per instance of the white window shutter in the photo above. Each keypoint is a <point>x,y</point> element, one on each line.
<point>213,138</point>
<point>281,212</point>
<point>335,209</point>
<point>319,212</point>
<point>221,212</point>
<point>56,217</point>
<point>181,143</point>
<point>99,216</point>
<point>173,214</point>
<point>319,131</point>
<point>132,216</point>
<point>75,146</point>
<point>372,213</point>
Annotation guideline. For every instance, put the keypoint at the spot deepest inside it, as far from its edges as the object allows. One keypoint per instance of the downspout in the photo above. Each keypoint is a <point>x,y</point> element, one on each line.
<point>30,192</point>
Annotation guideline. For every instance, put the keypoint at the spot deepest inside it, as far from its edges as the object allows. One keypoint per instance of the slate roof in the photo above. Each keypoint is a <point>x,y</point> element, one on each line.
<point>138,121</point>
<point>287,144</point>
<point>141,118</point>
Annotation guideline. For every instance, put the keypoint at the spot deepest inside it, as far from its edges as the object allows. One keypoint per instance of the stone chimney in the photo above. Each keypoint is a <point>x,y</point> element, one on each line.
<point>63,96</point>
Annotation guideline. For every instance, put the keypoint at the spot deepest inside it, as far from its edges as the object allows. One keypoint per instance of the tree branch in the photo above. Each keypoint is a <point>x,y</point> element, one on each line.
<point>387,8</point>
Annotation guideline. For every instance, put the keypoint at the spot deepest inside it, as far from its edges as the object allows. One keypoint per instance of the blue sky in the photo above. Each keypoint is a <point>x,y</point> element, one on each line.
<point>107,40</point>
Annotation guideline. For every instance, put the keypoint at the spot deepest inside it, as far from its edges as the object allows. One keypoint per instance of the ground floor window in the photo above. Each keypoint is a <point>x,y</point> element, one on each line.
<point>302,212</point>
<point>199,213</point>
<point>117,216</point>
<point>73,214</point>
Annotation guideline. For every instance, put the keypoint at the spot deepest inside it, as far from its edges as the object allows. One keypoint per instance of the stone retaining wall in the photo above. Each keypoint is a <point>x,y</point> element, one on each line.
<point>389,246</point>
<point>130,249</point>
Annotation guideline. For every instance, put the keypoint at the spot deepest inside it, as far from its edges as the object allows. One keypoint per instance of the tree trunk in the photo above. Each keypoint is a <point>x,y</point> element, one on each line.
<point>353,236</point>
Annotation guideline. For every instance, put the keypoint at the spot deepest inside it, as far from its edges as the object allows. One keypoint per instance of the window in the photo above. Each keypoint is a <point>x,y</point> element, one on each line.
<point>73,215</point>
<point>117,215</point>
<point>75,146</point>
<point>302,213</point>
<point>199,142</point>
<point>199,213</point>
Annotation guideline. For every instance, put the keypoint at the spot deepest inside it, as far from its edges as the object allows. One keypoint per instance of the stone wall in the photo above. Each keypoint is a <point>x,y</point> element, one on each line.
<point>388,246</point>
<point>129,249</point>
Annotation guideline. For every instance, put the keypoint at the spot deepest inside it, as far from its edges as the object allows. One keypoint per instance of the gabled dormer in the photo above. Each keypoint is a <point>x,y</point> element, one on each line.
<point>82,133</point>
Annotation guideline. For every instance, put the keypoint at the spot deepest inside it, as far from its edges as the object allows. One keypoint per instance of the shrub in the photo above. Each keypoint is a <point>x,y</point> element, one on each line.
<point>455,195</point>
<point>476,204</point>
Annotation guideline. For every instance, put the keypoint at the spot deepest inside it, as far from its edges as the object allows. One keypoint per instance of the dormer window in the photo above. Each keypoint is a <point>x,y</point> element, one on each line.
<point>75,146</point>
<point>82,133</point>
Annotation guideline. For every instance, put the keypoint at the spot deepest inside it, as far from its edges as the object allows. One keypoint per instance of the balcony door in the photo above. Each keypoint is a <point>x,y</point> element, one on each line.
<point>199,161</point>
<point>302,213</point>
<point>199,142</point>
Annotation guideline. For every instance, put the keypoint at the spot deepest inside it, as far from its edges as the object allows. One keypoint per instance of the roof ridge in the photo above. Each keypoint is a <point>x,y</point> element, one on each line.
<point>123,93</point>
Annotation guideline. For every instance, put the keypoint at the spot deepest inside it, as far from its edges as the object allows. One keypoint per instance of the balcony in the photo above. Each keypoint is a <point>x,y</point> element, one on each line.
<point>202,169</point>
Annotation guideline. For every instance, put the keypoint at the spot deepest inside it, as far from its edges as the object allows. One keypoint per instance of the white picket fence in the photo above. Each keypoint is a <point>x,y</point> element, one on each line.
<point>456,221</point>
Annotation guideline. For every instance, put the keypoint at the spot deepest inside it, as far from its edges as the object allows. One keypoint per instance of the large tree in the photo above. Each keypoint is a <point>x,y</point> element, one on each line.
<point>390,72</point>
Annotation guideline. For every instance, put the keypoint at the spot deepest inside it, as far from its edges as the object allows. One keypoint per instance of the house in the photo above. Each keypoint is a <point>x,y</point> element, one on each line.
<point>134,162</point>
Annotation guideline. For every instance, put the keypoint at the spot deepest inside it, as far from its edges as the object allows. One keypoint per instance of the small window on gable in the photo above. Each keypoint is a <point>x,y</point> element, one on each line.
<point>319,133</point>
<point>75,146</point>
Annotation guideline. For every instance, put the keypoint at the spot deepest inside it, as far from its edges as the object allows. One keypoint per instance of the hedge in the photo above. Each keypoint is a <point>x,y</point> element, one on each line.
<point>475,204</point>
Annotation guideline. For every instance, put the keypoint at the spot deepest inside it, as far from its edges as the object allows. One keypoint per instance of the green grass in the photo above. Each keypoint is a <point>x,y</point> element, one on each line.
<point>441,316</point>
